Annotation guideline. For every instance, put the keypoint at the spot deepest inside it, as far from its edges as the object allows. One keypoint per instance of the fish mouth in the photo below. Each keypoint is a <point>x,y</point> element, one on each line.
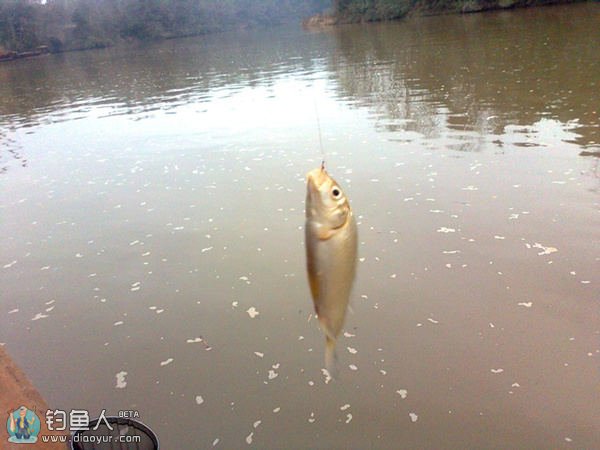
<point>316,178</point>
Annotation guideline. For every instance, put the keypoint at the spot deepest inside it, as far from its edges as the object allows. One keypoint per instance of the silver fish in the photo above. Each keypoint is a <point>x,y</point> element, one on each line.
<point>331,248</point>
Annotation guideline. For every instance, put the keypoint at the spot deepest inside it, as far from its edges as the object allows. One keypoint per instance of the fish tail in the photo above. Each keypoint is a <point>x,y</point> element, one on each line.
<point>331,357</point>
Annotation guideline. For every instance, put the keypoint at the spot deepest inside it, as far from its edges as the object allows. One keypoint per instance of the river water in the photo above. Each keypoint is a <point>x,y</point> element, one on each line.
<point>152,255</point>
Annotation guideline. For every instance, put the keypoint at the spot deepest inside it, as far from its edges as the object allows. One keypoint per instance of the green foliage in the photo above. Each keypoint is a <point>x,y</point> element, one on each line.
<point>75,24</point>
<point>17,25</point>
<point>371,10</point>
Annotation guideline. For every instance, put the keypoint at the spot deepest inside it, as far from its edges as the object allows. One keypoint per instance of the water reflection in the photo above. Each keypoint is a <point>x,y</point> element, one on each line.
<point>141,79</point>
<point>10,151</point>
<point>456,79</point>
<point>477,74</point>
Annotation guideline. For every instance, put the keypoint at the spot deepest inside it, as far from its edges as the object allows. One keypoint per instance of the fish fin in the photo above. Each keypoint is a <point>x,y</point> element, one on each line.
<point>331,357</point>
<point>325,234</point>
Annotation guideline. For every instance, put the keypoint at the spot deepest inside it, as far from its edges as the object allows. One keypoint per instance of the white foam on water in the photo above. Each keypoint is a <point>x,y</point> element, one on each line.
<point>121,383</point>
<point>402,393</point>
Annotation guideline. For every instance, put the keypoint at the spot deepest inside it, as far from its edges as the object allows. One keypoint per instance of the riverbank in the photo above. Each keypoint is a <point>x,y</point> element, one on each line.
<point>11,56</point>
<point>18,391</point>
<point>359,12</point>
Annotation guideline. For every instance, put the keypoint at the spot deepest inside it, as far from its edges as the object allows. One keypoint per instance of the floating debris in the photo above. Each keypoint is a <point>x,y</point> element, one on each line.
<point>249,438</point>
<point>446,230</point>
<point>252,312</point>
<point>402,393</point>
<point>344,407</point>
<point>545,250</point>
<point>259,354</point>
<point>39,316</point>
<point>199,400</point>
<point>496,370</point>
<point>348,417</point>
<point>413,417</point>
<point>525,304</point>
<point>276,410</point>
<point>352,351</point>
<point>166,362</point>
<point>121,383</point>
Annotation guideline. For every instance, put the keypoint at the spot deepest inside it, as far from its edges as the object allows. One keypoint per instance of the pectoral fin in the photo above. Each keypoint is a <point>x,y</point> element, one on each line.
<point>325,233</point>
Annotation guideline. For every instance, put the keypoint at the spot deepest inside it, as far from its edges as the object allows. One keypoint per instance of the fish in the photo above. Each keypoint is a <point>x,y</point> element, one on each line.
<point>331,240</point>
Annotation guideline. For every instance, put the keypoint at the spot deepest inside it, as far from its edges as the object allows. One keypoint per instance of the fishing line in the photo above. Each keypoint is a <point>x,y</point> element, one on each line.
<point>320,137</point>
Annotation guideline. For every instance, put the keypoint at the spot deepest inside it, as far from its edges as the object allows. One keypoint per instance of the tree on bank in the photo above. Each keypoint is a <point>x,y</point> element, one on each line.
<point>77,24</point>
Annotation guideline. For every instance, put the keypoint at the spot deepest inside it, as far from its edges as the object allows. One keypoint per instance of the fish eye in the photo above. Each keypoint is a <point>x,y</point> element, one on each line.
<point>336,193</point>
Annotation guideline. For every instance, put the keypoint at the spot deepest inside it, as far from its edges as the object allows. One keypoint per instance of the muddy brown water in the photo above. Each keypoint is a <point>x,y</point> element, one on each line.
<point>151,203</point>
